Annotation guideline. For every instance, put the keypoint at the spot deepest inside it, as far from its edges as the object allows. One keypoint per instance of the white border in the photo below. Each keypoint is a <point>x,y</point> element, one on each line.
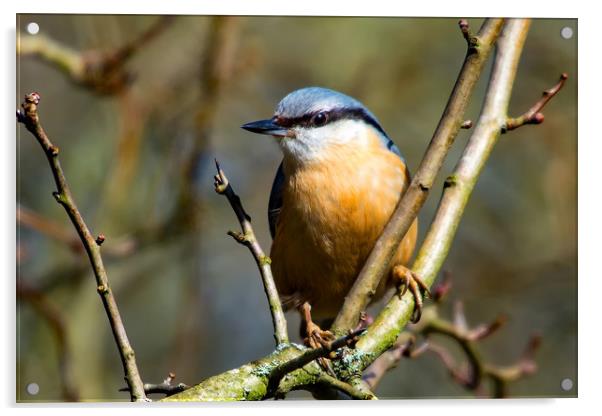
<point>589,186</point>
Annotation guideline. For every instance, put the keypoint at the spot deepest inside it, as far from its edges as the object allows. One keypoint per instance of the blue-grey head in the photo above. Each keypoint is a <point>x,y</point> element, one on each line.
<point>308,120</point>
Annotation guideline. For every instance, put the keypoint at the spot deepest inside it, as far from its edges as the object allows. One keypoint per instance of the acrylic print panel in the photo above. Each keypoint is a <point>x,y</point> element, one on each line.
<point>134,257</point>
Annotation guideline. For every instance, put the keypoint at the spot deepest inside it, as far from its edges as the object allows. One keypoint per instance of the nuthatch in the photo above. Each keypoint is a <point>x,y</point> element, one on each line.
<point>338,184</point>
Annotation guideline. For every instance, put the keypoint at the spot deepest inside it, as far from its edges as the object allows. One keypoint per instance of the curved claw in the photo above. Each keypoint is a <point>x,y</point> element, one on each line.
<point>409,280</point>
<point>404,289</point>
<point>416,315</point>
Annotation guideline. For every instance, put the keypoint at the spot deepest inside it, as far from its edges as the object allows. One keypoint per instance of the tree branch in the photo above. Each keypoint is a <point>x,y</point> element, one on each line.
<point>350,390</point>
<point>410,203</point>
<point>164,387</point>
<point>313,354</point>
<point>471,374</point>
<point>389,359</point>
<point>472,377</point>
<point>248,239</point>
<point>534,115</point>
<point>102,72</point>
<point>457,189</point>
<point>28,115</point>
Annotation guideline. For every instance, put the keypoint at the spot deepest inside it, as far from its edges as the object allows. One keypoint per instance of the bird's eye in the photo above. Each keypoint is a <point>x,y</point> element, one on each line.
<point>319,119</point>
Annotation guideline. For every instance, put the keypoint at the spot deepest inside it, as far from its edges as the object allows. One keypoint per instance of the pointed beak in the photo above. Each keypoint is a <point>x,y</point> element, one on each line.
<point>265,127</point>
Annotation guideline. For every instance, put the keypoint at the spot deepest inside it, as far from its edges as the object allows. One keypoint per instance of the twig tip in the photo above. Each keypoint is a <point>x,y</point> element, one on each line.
<point>100,239</point>
<point>33,97</point>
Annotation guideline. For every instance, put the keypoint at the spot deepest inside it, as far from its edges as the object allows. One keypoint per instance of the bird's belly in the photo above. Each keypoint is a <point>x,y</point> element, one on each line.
<point>328,225</point>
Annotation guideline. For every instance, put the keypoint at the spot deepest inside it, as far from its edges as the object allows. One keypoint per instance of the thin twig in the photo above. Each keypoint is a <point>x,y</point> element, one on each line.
<point>248,239</point>
<point>388,360</point>
<point>350,390</point>
<point>472,376</point>
<point>165,387</point>
<point>313,354</point>
<point>457,188</point>
<point>460,335</point>
<point>501,376</point>
<point>407,209</point>
<point>534,115</point>
<point>28,115</point>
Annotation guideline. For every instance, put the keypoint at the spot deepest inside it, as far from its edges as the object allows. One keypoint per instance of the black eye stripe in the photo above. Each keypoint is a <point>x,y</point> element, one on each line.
<point>331,116</point>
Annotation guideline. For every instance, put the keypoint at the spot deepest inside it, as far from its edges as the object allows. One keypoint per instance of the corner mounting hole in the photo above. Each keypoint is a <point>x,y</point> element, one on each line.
<point>33,388</point>
<point>566,32</point>
<point>566,384</point>
<point>33,28</point>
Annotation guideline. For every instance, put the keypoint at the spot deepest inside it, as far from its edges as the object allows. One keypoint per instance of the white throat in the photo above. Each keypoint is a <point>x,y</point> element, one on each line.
<point>309,143</point>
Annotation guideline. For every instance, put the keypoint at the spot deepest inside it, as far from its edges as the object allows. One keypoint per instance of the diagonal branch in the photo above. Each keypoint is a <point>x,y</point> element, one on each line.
<point>248,239</point>
<point>389,359</point>
<point>352,391</point>
<point>457,189</point>
<point>313,354</point>
<point>28,115</point>
<point>534,115</point>
<point>407,209</point>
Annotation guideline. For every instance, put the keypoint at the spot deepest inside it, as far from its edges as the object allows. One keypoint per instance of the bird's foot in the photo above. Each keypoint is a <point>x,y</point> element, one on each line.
<point>409,280</point>
<point>364,322</point>
<point>316,337</point>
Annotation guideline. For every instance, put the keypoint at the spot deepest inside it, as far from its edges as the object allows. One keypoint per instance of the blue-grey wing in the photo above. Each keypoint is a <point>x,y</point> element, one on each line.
<point>275,203</point>
<point>392,146</point>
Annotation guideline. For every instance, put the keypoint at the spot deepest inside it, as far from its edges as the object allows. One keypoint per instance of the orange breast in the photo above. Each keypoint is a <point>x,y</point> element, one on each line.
<point>333,211</point>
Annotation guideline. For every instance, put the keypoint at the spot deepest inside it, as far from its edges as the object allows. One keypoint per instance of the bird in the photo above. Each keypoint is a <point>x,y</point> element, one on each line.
<point>338,183</point>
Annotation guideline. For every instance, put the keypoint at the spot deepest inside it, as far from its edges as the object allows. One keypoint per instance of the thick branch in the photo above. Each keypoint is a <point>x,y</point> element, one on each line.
<point>380,258</point>
<point>250,381</point>
<point>313,354</point>
<point>29,117</point>
<point>247,238</point>
<point>457,189</point>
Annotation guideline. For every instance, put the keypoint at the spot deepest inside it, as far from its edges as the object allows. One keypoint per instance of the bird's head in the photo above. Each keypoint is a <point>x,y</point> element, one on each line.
<point>311,120</point>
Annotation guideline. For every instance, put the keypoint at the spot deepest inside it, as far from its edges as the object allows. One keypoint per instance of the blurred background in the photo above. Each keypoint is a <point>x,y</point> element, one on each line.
<point>139,107</point>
